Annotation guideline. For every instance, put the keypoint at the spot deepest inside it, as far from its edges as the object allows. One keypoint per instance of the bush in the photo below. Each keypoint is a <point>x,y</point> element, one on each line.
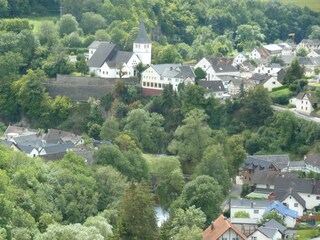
<point>282,99</point>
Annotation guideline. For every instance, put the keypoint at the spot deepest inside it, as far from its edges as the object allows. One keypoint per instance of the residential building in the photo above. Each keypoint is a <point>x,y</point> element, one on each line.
<point>156,77</point>
<point>265,233</point>
<point>314,53</point>
<point>306,102</point>
<point>239,58</point>
<point>291,199</point>
<point>214,88</point>
<point>245,225</point>
<point>259,53</point>
<point>308,189</point>
<point>312,163</point>
<point>255,208</point>
<point>276,163</point>
<point>267,81</point>
<point>289,216</point>
<point>310,44</point>
<point>215,67</point>
<point>222,229</point>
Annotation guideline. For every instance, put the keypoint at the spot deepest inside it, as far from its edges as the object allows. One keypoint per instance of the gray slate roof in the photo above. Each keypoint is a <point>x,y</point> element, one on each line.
<point>94,45</point>
<point>299,185</point>
<point>263,162</point>
<point>274,224</point>
<point>224,68</point>
<point>218,61</point>
<point>310,95</point>
<point>174,70</point>
<point>248,203</point>
<point>119,58</point>
<point>269,232</point>
<point>282,195</point>
<point>212,86</point>
<point>260,77</point>
<point>313,160</point>
<point>103,53</point>
<point>58,148</point>
<point>269,177</point>
<point>142,36</point>
<point>25,148</point>
<point>311,41</point>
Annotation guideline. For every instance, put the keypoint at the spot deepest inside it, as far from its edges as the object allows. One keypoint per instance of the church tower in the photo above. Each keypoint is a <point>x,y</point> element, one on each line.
<point>142,45</point>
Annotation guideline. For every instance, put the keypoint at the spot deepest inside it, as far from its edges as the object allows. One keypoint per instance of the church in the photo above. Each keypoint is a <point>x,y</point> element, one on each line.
<point>106,61</point>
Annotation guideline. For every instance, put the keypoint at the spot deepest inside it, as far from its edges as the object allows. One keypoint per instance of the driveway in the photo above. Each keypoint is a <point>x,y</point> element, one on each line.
<point>235,192</point>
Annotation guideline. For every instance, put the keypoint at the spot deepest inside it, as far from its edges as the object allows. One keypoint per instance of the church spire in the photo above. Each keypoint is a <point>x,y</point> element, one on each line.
<point>142,36</point>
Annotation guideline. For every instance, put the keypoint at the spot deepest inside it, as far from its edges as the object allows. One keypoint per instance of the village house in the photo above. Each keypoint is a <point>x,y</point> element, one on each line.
<point>265,80</point>
<point>305,102</point>
<point>215,67</point>
<point>245,225</point>
<point>291,199</point>
<point>309,44</point>
<point>156,77</point>
<point>259,53</point>
<point>239,58</point>
<point>271,230</point>
<point>268,69</point>
<point>11,145</point>
<point>314,53</point>
<point>106,61</point>
<point>222,228</point>
<point>255,208</point>
<point>276,163</point>
<point>214,89</point>
<point>312,163</point>
<point>289,216</point>
<point>307,189</point>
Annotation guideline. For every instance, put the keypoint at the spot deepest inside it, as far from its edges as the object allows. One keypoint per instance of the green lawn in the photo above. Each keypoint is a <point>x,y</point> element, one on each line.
<point>312,4</point>
<point>307,234</point>
<point>36,21</point>
<point>280,92</point>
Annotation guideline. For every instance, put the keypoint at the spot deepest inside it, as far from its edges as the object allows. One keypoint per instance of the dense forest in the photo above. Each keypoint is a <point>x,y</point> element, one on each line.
<point>204,141</point>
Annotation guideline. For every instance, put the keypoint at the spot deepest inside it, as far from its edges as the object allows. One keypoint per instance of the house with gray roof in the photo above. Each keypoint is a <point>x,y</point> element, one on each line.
<point>214,89</point>
<point>156,77</point>
<point>255,208</point>
<point>276,163</point>
<point>305,102</point>
<point>271,230</point>
<point>107,61</point>
<point>218,66</point>
<point>291,199</point>
<point>309,44</point>
<point>312,163</point>
<point>266,179</point>
<point>308,189</point>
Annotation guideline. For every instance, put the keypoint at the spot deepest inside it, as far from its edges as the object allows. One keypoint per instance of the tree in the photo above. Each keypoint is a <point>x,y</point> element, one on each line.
<point>200,74</point>
<point>241,214</point>
<point>71,232</point>
<point>249,36</point>
<point>67,25</point>
<point>187,233</point>
<point>190,217</point>
<point>191,139</point>
<point>137,218</point>
<point>91,22</point>
<point>203,192</point>
<point>302,52</point>
<point>48,33</point>
<point>100,223</point>
<point>236,153</point>
<point>169,180</point>
<point>214,164</point>
<point>111,186</point>
<point>192,96</point>
<point>294,72</point>
<point>315,32</point>
<point>31,95</point>
<point>110,129</point>
<point>81,64</point>
<point>257,107</point>
<point>168,54</point>
<point>272,215</point>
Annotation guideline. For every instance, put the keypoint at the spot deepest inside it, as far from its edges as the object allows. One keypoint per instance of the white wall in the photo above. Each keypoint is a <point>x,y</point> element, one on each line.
<point>290,222</point>
<point>259,236</point>
<point>143,51</point>
<point>311,200</point>
<point>230,235</point>
<point>271,84</point>
<point>293,204</point>
<point>255,213</point>
<point>304,106</point>
<point>255,54</point>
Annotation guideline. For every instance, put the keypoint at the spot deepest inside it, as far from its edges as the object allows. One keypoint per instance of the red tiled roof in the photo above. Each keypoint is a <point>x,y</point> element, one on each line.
<point>220,226</point>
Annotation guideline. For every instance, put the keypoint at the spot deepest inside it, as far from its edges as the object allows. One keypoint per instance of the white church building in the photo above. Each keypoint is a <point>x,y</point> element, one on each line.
<point>106,61</point>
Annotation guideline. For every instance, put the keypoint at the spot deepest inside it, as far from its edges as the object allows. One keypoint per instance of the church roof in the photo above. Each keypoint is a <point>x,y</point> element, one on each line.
<point>103,53</point>
<point>142,36</point>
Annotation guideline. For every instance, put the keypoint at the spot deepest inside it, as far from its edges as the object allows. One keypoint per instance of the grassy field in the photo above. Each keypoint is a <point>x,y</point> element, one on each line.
<point>36,21</point>
<point>153,159</point>
<point>312,4</point>
<point>280,92</point>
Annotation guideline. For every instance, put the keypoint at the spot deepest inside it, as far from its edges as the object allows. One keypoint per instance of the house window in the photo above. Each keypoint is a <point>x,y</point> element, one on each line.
<point>308,195</point>
<point>254,238</point>
<point>148,84</point>
<point>295,205</point>
<point>318,197</point>
<point>302,102</point>
<point>256,211</point>
<point>151,84</point>
<point>155,85</point>
<point>273,82</point>
<point>144,84</point>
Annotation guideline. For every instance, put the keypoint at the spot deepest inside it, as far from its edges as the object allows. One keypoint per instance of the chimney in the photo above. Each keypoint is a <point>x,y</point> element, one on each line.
<point>212,225</point>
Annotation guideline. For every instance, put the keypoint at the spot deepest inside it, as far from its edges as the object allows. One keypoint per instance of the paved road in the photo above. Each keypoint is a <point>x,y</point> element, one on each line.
<point>235,192</point>
<point>299,115</point>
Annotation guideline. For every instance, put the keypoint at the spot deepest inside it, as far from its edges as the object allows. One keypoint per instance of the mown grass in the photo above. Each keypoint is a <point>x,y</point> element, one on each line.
<point>36,21</point>
<point>152,159</point>
<point>307,234</point>
<point>314,5</point>
<point>280,92</point>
